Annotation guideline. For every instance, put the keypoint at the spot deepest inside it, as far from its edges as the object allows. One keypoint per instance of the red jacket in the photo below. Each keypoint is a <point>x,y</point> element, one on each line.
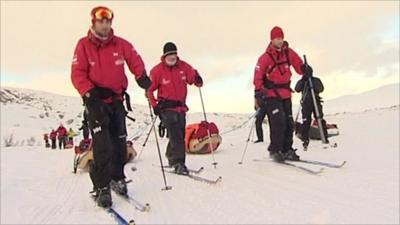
<point>46,137</point>
<point>101,63</point>
<point>280,74</point>
<point>53,135</point>
<point>62,132</point>
<point>171,83</point>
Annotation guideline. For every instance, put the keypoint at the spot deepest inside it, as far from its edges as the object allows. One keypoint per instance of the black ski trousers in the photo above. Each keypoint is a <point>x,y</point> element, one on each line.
<point>109,143</point>
<point>307,108</point>
<point>280,120</point>
<point>262,112</point>
<point>175,122</point>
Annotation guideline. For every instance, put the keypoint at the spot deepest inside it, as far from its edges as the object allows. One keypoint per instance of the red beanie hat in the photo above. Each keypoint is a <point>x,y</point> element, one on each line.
<point>276,32</point>
<point>100,13</point>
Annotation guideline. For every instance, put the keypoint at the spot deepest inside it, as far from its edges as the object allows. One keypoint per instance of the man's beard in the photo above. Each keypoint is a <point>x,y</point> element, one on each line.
<point>103,34</point>
<point>171,63</point>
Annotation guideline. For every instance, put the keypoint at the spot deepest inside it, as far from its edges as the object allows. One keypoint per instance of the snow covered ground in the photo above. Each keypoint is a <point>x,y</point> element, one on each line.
<point>38,186</point>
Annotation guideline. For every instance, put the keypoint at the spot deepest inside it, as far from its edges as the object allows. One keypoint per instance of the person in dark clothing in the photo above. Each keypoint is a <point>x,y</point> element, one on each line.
<point>53,138</point>
<point>260,107</point>
<point>307,107</point>
<point>170,79</point>
<point>46,140</point>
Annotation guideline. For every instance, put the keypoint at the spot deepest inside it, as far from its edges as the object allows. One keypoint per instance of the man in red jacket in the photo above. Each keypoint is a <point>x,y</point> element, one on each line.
<point>62,135</point>
<point>53,138</point>
<point>272,85</point>
<point>98,75</point>
<point>170,78</point>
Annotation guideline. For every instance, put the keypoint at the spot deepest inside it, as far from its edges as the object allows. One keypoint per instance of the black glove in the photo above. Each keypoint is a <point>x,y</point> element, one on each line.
<point>198,80</point>
<point>161,130</point>
<point>95,106</point>
<point>261,98</point>
<point>157,109</point>
<point>307,70</point>
<point>144,81</point>
<point>259,95</point>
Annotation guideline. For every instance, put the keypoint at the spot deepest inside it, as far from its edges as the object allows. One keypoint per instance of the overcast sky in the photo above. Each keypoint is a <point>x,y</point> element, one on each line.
<point>352,46</point>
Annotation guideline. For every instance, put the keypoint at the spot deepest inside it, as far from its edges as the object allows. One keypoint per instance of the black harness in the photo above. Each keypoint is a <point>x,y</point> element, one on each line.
<point>278,64</point>
<point>270,84</point>
<point>108,93</point>
<point>169,104</point>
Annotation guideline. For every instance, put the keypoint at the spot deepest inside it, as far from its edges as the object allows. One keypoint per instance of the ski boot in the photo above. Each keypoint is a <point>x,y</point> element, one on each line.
<point>181,169</point>
<point>291,155</point>
<point>102,197</point>
<point>276,156</point>
<point>120,186</point>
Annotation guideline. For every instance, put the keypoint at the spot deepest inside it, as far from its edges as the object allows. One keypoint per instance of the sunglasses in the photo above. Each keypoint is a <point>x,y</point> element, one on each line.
<point>103,14</point>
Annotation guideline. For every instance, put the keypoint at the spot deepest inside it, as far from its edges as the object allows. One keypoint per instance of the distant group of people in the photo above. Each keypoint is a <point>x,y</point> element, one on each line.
<point>63,136</point>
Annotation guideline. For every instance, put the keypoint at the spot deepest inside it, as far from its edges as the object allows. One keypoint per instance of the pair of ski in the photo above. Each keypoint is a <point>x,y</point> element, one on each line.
<point>305,169</point>
<point>131,200</point>
<point>193,174</point>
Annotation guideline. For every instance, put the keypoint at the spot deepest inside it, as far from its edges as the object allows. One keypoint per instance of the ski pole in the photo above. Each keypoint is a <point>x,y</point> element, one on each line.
<point>147,137</point>
<point>303,96</point>
<point>247,141</point>
<point>159,152</point>
<point>208,130</point>
<point>317,113</point>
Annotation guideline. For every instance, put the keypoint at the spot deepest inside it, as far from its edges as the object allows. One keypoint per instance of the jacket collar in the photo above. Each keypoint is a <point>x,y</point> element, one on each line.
<point>95,39</point>
<point>271,49</point>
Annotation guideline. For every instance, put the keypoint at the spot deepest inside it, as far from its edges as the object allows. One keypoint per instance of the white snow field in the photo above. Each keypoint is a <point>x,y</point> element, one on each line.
<point>38,186</point>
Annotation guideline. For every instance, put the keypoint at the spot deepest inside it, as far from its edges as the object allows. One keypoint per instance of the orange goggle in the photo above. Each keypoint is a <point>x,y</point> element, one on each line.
<point>103,13</point>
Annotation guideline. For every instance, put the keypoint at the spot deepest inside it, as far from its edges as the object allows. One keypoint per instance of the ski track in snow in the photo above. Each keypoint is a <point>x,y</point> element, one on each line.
<point>38,186</point>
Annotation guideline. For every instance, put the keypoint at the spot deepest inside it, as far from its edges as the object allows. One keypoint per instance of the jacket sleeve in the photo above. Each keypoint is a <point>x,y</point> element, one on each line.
<point>191,74</point>
<point>134,60</point>
<point>296,61</point>
<point>259,73</point>
<point>155,81</point>
<point>80,70</point>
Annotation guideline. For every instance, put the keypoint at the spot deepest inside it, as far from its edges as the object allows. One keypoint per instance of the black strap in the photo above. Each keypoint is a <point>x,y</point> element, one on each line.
<point>287,61</point>
<point>108,93</point>
<point>277,93</point>
<point>168,104</point>
<point>131,118</point>
<point>271,85</point>
<point>128,101</point>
